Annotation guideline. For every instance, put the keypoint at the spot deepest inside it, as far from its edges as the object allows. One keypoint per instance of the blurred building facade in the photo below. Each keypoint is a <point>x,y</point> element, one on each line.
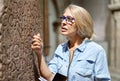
<point>43,16</point>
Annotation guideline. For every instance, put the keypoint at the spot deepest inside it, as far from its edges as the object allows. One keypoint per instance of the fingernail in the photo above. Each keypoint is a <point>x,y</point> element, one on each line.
<point>38,34</point>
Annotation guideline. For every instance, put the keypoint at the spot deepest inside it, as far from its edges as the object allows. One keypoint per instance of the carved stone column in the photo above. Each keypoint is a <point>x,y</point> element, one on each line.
<point>20,20</point>
<point>117,19</point>
<point>115,39</point>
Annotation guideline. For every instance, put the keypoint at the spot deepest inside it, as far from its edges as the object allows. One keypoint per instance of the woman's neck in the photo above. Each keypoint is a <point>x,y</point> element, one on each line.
<point>75,42</point>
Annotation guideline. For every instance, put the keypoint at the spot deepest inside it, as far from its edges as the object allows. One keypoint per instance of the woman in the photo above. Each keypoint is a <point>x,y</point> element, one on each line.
<point>79,59</point>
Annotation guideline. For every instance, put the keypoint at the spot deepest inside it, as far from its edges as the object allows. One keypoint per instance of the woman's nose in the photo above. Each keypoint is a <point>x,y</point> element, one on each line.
<point>64,21</point>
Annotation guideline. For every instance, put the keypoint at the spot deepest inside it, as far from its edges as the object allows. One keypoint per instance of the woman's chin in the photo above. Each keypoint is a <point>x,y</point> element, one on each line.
<point>63,33</point>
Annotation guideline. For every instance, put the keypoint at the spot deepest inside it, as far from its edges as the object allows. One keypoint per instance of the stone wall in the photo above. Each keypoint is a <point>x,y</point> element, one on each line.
<point>20,20</point>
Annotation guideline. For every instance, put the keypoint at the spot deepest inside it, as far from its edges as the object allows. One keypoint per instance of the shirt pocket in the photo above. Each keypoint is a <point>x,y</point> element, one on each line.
<point>85,67</point>
<point>87,63</point>
<point>84,72</point>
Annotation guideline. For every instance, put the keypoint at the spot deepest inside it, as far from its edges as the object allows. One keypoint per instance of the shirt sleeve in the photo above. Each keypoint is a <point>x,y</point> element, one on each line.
<point>101,67</point>
<point>53,65</point>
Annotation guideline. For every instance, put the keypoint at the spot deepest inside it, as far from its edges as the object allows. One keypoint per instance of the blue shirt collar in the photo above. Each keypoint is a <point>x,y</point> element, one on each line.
<point>80,48</point>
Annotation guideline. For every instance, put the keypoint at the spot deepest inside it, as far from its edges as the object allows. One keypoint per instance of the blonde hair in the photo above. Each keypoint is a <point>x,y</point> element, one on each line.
<point>83,21</point>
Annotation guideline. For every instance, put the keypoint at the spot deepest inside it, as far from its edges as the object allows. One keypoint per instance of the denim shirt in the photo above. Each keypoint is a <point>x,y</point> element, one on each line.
<point>89,62</point>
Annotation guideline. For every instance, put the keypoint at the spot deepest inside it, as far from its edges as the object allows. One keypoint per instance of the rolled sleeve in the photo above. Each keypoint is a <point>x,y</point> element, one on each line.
<point>53,65</point>
<point>101,67</point>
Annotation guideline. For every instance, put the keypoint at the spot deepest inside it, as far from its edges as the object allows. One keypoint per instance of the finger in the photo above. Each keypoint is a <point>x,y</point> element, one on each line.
<point>36,40</point>
<point>37,37</point>
<point>36,46</point>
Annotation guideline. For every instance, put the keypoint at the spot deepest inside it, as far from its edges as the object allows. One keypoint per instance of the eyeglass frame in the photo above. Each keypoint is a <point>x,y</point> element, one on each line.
<point>67,18</point>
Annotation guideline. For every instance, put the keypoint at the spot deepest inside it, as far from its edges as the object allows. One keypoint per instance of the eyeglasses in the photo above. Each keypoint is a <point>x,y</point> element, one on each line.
<point>67,18</point>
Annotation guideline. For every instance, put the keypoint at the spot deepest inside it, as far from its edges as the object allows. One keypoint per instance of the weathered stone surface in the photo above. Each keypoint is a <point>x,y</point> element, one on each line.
<point>20,20</point>
<point>114,40</point>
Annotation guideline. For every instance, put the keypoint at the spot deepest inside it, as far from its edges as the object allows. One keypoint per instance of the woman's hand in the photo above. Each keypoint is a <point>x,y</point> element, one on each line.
<point>37,44</point>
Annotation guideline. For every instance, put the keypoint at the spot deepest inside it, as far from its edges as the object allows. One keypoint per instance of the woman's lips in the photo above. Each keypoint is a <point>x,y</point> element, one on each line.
<point>63,29</point>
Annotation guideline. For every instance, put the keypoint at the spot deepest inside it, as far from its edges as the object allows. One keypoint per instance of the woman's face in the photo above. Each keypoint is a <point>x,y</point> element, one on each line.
<point>68,24</point>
